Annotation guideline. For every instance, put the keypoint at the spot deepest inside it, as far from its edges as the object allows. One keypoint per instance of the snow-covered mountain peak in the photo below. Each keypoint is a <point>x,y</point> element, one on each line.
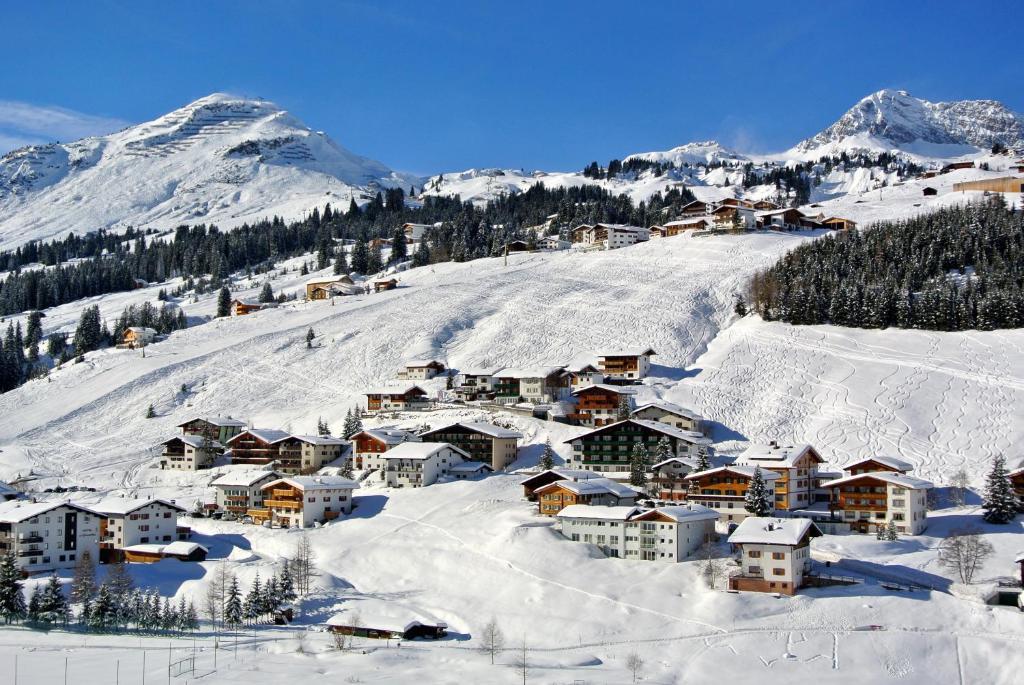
<point>698,152</point>
<point>894,119</point>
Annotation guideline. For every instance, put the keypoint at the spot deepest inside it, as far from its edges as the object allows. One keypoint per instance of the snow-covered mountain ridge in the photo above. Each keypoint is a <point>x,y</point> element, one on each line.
<point>221,159</point>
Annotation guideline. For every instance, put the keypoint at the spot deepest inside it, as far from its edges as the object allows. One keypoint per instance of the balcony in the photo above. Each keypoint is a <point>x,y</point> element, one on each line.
<point>33,537</point>
<point>29,552</point>
<point>283,503</point>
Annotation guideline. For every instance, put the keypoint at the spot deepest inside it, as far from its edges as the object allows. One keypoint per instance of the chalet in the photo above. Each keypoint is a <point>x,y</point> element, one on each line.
<point>730,216</point>
<point>674,228</point>
<point>1017,482</point>
<point>735,202</point>
<point>415,232</point>
<point>724,489</point>
<point>601,404</point>
<point>239,491</point>
<point>130,521</point>
<point>553,242</point>
<point>667,534</point>
<point>243,307</point>
<point>380,243</point>
<point>694,208</point>
<point>9,492</point>
<point>370,444</point>
<point>537,385</point>
<point>928,191</point>
<point>474,384</point>
<point>583,234</point>
<point>838,223</point>
<point>327,286</point>
<point>303,454</point>
<point>656,232</point>
<point>554,497</point>
<point>397,398</point>
<point>868,501</point>
<point>48,536</point>
<point>876,464</point>
<point>796,465</point>
<point>533,483</point>
<point>581,375</point>
<point>625,365</point>
<point>215,428</point>
<point>152,553</point>
<point>301,501</point>
<point>762,205</point>
<point>672,414</point>
<point>257,446</point>
<point>189,452</point>
<point>381,285</point>
<point>668,478</point>
<point>780,219</point>
<point>468,470</point>
<point>608,448</point>
<point>419,464</point>
<point>609,236</point>
<point>953,166</point>
<point>516,246</point>
<point>422,370</point>
<point>483,442</point>
<point>775,554</point>
<point>380,620</point>
<point>137,336</point>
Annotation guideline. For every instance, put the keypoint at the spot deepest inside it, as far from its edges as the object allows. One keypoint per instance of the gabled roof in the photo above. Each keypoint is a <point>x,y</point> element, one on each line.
<point>122,506</point>
<point>343,278</point>
<point>692,437</point>
<point>141,330</point>
<point>744,471</point>
<point>196,441</point>
<point>420,450</point>
<point>891,462</point>
<point>219,421</point>
<point>591,486</point>
<point>267,435</point>
<point>470,467</point>
<point>401,389</point>
<point>680,513</point>
<point>628,352</point>
<point>389,436</point>
<point>670,408</point>
<point>897,479</point>
<point>480,371</point>
<point>423,363</point>
<point>478,427</point>
<point>320,439</point>
<point>686,462</point>
<point>243,478</point>
<point>617,389</point>
<point>535,372</point>
<point>772,531</point>
<point>16,510</point>
<point>590,511</point>
<point>779,456</point>
<point>561,474</point>
<point>308,483</point>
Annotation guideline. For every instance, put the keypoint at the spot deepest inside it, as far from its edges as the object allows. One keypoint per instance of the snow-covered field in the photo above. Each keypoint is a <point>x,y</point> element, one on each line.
<point>470,551</point>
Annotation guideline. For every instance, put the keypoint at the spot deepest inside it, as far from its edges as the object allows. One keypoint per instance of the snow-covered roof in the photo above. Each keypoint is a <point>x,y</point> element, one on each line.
<point>617,389</point>
<point>243,478</point>
<point>564,474</point>
<point>479,427</point>
<point>389,436</point>
<point>469,467</point>
<point>419,450</point>
<point>397,389</point>
<point>480,371</point>
<point>145,548</point>
<point>628,352</point>
<point>891,462</point>
<point>183,548</point>
<point>682,512</point>
<point>622,227</point>
<point>120,506</point>
<point>897,479</point>
<point>686,462</point>
<point>219,421</point>
<point>1019,558</point>
<point>671,408</point>
<point>423,363</point>
<point>7,490</point>
<point>535,372</point>
<point>307,483</point>
<point>779,456</point>
<point>686,222</point>
<point>320,439</point>
<point>267,435</point>
<point>592,486</point>
<point>16,511</point>
<point>773,531</point>
<point>141,330</point>
<point>329,279</point>
<point>692,437</point>
<point>745,471</point>
<point>196,441</point>
<point>378,614</point>
<point>590,511</point>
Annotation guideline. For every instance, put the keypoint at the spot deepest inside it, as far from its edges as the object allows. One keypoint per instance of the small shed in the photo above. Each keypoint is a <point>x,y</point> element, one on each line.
<point>385,284</point>
<point>929,191</point>
<point>137,336</point>
<point>380,620</point>
<point>517,246</point>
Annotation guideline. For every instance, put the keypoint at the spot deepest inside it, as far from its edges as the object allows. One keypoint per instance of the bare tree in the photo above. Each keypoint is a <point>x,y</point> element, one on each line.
<point>711,568</point>
<point>522,661</point>
<point>958,486</point>
<point>493,639</point>
<point>635,665</point>
<point>965,551</point>
<point>304,565</point>
<point>345,641</point>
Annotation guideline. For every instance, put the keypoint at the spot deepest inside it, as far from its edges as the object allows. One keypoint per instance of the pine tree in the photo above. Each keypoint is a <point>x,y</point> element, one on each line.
<point>663,451</point>
<point>150,412</point>
<point>703,462</point>
<point>266,293</point>
<point>12,600</point>
<point>251,606</point>
<point>83,582</point>
<point>890,531</point>
<point>361,257</point>
<point>34,602</point>
<point>622,413</point>
<point>233,615</point>
<point>286,585</point>
<point>54,605</point>
<point>638,465</point>
<point>104,611</point>
<point>547,459</point>
<point>168,616</point>
<point>347,470</point>
<point>321,427</point>
<point>399,247</point>
<point>1000,503</point>
<point>224,302</point>
<point>758,500</point>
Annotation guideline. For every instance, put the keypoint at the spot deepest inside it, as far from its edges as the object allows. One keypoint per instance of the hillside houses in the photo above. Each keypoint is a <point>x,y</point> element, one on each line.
<point>287,452</point>
<point>475,383</point>
<point>601,404</point>
<point>1017,483</point>
<point>775,554</point>
<point>609,448</point>
<point>869,501</point>
<point>668,478</point>
<point>189,452</point>
<point>724,489</point>
<point>137,336</point>
<point>129,522</point>
<point>668,534</point>
<point>368,445</point>
<point>240,490</point>
<point>493,445</point>
<point>419,464</point>
<point>625,365</point>
<point>538,385</point>
<point>537,481</point>
<point>796,466</point>
<point>326,287</point>
<point>554,497</point>
<point>302,501</point>
<point>215,428</point>
<point>414,232</point>
<point>242,307</point>
<point>670,413</point>
<point>47,536</point>
<point>609,236</point>
<point>396,398</point>
<point>421,370</point>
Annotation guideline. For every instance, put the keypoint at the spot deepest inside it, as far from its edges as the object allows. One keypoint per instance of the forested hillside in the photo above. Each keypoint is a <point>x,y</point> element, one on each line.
<point>959,268</point>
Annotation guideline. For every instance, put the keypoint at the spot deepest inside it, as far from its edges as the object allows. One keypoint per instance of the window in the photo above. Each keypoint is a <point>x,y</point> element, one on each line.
<point>754,554</point>
<point>778,571</point>
<point>778,555</point>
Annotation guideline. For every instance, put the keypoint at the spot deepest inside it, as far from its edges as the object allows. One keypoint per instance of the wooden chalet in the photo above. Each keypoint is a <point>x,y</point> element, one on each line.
<point>668,478</point>
<point>257,446</point>
<point>599,404</point>
<point>877,464</point>
<point>582,234</point>
<point>1017,482</point>
<point>625,365</point>
<point>398,398</point>
<point>482,442</point>
<point>780,219</point>
<point>137,336</point>
<point>555,497</point>
<point>765,204</point>
<point>869,501</point>
<point>152,553</point>
<point>775,554</point>
<point>534,483</point>
<point>838,223</point>
<point>380,243</point>
<point>724,489</point>
<point>381,285</point>
<point>243,307</point>
<point>953,166</point>
<point>680,226</point>
<point>695,208</point>
<point>216,428</point>
<point>517,246</point>
<point>380,620</point>
<point>422,370</point>
<point>929,191</point>
<point>324,288</point>
<point>656,231</point>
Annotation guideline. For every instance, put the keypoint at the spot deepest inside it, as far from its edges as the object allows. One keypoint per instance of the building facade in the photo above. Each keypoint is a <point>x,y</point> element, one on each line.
<point>609,448</point>
<point>301,501</point>
<point>48,536</point>
<point>724,489</point>
<point>667,534</point>
<point>775,554</point>
<point>129,522</point>
<point>868,501</point>
<point>483,442</point>
<point>419,464</point>
<point>241,490</point>
<point>797,466</point>
<point>189,453</point>
<point>625,365</point>
<point>369,445</point>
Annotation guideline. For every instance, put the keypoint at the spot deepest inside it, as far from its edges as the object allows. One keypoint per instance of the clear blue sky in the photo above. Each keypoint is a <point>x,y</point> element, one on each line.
<point>432,86</point>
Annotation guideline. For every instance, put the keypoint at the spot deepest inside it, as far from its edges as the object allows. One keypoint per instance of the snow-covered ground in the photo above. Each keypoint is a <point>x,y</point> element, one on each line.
<point>470,551</point>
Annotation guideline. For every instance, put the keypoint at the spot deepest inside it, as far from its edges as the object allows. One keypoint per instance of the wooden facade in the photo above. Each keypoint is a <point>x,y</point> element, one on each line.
<point>1007,184</point>
<point>1017,482</point>
<point>411,398</point>
<point>249,447</point>
<point>598,405</point>
<point>838,223</point>
<point>384,284</point>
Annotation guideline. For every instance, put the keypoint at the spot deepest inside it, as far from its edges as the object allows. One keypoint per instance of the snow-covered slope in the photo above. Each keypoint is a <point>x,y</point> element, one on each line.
<point>895,120</point>
<point>220,159</point>
<point>692,153</point>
